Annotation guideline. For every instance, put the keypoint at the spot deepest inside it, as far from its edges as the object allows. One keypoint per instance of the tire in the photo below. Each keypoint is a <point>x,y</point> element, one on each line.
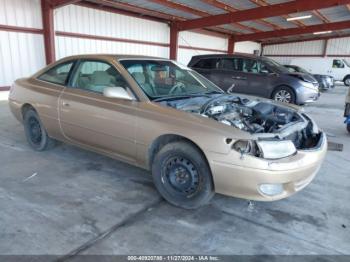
<point>348,127</point>
<point>347,81</point>
<point>284,94</point>
<point>182,176</point>
<point>36,134</point>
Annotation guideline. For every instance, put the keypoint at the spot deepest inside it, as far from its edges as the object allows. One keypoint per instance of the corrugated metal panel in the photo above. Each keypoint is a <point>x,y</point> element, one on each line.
<point>199,40</point>
<point>280,21</point>
<point>160,8</point>
<point>21,55</point>
<point>247,47</point>
<point>282,60</point>
<point>202,6</point>
<point>192,39</point>
<point>185,55</point>
<point>89,21</point>
<point>339,46</point>
<point>336,14</point>
<point>23,13</point>
<point>66,46</point>
<point>298,48</point>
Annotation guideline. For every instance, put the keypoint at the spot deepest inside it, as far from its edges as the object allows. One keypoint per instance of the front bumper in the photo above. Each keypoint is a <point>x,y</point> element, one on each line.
<point>242,177</point>
<point>307,95</point>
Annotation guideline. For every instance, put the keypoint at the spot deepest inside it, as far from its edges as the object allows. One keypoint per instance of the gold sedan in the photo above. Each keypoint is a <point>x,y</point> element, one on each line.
<point>164,117</point>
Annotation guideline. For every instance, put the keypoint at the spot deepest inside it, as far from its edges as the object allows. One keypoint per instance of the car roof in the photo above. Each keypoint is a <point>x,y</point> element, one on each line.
<point>112,56</point>
<point>227,55</point>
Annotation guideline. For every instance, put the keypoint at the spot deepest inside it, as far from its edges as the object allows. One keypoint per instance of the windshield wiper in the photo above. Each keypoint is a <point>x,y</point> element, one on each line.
<point>158,99</point>
<point>213,92</point>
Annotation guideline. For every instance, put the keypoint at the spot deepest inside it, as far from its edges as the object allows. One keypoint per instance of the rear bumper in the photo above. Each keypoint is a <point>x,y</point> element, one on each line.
<point>292,173</point>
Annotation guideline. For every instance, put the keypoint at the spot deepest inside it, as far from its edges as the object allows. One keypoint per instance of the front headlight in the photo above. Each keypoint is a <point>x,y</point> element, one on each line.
<point>309,85</point>
<point>276,149</point>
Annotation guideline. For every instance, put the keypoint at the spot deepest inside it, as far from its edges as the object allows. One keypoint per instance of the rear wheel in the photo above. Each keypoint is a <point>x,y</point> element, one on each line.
<point>35,132</point>
<point>284,94</point>
<point>182,176</point>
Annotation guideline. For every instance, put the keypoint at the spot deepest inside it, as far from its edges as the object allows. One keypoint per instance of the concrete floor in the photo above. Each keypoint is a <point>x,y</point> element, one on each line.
<point>69,201</point>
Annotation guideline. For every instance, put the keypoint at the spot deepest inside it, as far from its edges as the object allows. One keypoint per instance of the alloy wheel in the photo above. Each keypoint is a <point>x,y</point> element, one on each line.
<point>283,96</point>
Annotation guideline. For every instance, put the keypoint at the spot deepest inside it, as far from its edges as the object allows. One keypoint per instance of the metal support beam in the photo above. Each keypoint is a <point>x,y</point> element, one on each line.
<point>294,31</point>
<point>48,30</point>
<point>61,3</point>
<point>259,13</point>
<point>231,45</point>
<point>174,41</point>
<point>325,46</point>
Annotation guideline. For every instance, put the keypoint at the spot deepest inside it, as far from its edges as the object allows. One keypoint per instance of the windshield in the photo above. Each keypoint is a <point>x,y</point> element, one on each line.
<point>163,79</point>
<point>272,63</point>
<point>346,62</point>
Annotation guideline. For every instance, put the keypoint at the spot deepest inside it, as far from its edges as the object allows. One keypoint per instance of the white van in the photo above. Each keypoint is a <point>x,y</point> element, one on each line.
<point>337,67</point>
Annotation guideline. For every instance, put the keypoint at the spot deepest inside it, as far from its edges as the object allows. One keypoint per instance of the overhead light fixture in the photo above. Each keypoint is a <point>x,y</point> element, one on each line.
<point>322,32</point>
<point>299,17</point>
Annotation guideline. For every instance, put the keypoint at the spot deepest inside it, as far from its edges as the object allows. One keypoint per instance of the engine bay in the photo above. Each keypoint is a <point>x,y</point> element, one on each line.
<point>265,119</point>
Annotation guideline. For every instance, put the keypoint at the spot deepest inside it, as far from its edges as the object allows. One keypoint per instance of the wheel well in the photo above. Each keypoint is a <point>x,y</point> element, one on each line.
<point>166,139</point>
<point>25,108</point>
<point>345,77</point>
<point>274,90</point>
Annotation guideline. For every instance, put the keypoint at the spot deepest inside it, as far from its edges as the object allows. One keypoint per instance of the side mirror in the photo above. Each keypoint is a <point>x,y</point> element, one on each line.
<point>117,92</point>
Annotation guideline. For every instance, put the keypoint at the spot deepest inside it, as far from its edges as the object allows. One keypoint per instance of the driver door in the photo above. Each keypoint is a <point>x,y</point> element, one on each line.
<point>88,118</point>
<point>338,70</point>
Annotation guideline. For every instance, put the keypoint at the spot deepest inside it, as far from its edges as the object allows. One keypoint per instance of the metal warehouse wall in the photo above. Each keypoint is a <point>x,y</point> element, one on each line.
<point>82,30</point>
<point>21,54</point>
<point>86,23</point>
<point>339,47</point>
<point>284,53</point>
<point>247,47</point>
<point>191,44</point>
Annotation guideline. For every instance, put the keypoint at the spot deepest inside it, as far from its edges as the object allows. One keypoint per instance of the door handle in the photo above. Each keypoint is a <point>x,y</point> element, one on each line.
<point>65,103</point>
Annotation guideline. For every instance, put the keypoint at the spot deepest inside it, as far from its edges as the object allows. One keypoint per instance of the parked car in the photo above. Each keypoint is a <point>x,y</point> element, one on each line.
<point>153,113</point>
<point>259,76</point>
<point>347,111</point>
<point>324,81</point>
<point>338,68</point>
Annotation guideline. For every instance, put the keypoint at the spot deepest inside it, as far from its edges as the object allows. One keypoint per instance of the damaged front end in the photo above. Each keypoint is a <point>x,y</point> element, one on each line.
<point>277,131</point>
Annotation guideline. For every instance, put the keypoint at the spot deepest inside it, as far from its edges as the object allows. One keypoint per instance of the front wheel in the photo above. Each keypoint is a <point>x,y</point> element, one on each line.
<point>348,127</point>
<point>347,81</point>
<point>284,94</point>
<point>182,176</point>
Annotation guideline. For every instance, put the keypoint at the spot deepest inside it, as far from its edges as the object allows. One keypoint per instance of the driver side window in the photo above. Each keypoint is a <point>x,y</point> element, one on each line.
<point>337,63</point>
<point>95,76</point>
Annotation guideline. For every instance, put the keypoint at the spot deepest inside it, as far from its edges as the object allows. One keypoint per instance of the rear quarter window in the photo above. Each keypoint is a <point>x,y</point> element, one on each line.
<point>58,74</point>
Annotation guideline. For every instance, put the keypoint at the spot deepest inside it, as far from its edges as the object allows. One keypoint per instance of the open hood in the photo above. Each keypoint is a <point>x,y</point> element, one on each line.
<point>262,119</point>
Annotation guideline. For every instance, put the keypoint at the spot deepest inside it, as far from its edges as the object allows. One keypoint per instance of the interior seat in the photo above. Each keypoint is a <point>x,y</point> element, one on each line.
<point>99,80</point>
<point>141,80</point>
